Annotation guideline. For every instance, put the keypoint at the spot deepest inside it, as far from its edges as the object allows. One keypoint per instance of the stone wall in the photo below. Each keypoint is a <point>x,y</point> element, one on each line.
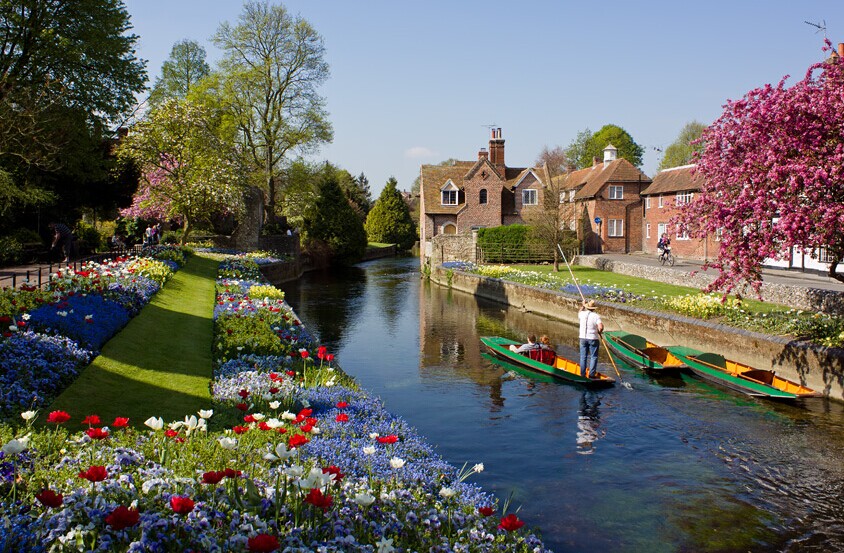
<point>819,368</point>
<point>798,297</point>
<point>453,247</point>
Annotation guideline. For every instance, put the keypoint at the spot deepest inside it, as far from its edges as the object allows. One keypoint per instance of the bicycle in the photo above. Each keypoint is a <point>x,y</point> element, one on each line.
<point>666,257</point>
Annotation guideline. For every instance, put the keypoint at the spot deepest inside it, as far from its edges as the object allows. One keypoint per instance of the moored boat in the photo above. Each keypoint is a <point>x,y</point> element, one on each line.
<point>547,362</point>
<point>740,377</point>
<point>640,353</point>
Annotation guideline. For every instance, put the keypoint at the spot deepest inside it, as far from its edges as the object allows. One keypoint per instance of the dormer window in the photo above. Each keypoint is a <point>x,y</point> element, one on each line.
<point>529,197</point>
<point>448,194</point>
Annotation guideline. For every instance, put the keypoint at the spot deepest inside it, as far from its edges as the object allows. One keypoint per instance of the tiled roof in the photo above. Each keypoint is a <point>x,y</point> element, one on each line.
<point>678,179</point>
<point>433,177</point>
<point>589,182</point>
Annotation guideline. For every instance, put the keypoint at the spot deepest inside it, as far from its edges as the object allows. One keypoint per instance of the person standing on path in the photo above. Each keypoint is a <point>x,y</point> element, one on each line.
<point>591,328</point>
<point>62,239</point>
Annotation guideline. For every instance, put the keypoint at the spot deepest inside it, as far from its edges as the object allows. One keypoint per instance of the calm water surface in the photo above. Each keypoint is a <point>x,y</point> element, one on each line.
<point>671,465</point>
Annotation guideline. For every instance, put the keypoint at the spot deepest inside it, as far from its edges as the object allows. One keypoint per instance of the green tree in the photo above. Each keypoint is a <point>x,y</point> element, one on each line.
<point>593,147</point>
<point>330,225</point>
<point>358,193</point>
<point>577,150</point>
<point>273,65</point>
<point>390,221</point>
<point>186,166</point>
<point>185,67</point>
<point>682,150</point>
<point>66,73</point>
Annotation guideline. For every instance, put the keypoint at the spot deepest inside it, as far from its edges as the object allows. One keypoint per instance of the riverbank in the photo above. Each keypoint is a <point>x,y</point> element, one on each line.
<point>817,367</point>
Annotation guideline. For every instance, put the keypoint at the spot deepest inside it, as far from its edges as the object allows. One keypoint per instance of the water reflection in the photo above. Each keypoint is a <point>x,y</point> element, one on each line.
<point>589,422</point>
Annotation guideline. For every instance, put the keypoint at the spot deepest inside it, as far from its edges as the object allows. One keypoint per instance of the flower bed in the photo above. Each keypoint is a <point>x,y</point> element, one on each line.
<point>303,460</point>
<point>52,334</point>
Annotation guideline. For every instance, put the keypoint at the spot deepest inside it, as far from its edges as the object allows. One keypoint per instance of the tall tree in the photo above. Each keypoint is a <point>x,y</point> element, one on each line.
<point>357,190</point>
<point>577,150</point>
<point>185,67</point>
<point>773,177</point>
<point>390,221</point>
<point>66,71</point>
<point>684,147</point>
<point>586,149</point>
<point>273,65</point>
<point>548,223</point>
<point>330,226</point>
<point>187,169</point>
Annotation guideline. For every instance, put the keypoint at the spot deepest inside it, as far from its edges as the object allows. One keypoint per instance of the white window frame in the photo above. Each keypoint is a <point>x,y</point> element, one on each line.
<point>449,188</point>
<point>571,196</point>
<point>647,230</point>
<point>661,229</point>
<point>616,192</point>
<point>647,202</point>
<point>683,198</point>
<point>615,228</point>
<point>661,204</point>
<point>530,192</point>
<point>683,236</point>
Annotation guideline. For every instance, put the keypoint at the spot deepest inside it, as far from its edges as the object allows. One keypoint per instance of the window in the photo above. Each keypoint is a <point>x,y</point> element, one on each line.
<point>449,197</point>
<point>660,229</point>
<point>683,198</point>
<point>718,232</point>
<point>482,196</point>
<point>660,205</point>
<point>573,225</point>
<point>616,192</point>
<point>683,236</point>
<point>647,202</point>
<point>823,255</point>
<point>563,197</point>
<point>529,197</point>
<point>648,230</point>
<point>571,196</point>
<point>615,227</point>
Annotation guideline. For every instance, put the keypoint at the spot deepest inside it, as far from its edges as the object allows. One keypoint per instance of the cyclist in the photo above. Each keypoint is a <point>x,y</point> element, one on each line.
<point>664,245</point>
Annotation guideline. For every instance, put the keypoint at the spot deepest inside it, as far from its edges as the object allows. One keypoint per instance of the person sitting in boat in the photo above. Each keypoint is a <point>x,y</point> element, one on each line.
<point>545,343</point>
<point>526,348</point>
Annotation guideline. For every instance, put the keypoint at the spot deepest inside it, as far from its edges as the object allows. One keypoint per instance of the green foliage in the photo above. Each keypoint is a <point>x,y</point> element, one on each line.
<point>682,151</point>
<point>172,236</point>
<point>185,67</point>
<point>11,250</point>
<point>236,335</point>
<point>389,221</point>
<point>88,237</point>
<point>331,223</point>
<point>512,244</point>
<point>584,149</point>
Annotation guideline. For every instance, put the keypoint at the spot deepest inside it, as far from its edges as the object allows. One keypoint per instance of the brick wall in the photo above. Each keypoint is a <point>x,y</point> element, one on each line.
<point>693,248</point>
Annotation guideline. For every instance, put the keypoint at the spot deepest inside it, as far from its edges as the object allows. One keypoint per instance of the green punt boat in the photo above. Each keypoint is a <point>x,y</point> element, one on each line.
<point>740,377</point>
<point>638,352</point>
<point>552,364</point>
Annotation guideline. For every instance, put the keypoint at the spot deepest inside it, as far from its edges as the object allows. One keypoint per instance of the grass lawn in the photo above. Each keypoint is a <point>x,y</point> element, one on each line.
<point>160,363</point>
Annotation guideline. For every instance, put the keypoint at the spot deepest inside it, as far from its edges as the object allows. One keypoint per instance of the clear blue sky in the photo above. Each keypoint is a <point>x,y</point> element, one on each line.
<point>417,82</point>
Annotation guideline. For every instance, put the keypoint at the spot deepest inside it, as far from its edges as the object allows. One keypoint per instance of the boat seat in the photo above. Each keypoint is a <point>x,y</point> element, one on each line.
<point>543,356</point>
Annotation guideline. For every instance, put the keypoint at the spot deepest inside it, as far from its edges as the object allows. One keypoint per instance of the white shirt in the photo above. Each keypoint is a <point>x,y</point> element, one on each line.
<point>589,321</point>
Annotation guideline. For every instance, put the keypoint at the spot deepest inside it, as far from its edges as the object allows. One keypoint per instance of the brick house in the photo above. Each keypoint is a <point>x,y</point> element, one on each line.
<point>670,189</point>
<point>607,204</point>
<point>466,195</point>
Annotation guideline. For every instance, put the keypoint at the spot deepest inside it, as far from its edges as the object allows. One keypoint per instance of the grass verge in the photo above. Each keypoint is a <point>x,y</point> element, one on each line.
<point>160,363</point>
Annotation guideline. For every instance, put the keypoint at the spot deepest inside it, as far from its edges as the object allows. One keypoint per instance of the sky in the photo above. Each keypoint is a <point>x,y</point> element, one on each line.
<point>417,83</point>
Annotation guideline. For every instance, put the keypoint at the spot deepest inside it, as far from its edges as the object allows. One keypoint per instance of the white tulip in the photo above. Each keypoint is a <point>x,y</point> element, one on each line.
<point>16,446</point>
<point>364,499</point>
<point>479,467</point>
<point>369,450</point>
<point>447,493</point>
<point>274,405</point>
<point>205,413</point>
<point>28,415</point>
<point>227,443</point>
<point>155,423</point>
<point>396,462</point>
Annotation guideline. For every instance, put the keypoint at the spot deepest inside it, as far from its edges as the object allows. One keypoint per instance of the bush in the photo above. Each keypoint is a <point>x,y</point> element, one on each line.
<point>511,244</point>
<point>11,250</point>
<point>172,236</point>
<point>88,237</point>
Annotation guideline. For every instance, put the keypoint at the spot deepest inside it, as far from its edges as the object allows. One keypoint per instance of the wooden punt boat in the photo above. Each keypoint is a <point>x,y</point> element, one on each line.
<point>740,377</point>
<point>553,364</point>
<point>638,352</point>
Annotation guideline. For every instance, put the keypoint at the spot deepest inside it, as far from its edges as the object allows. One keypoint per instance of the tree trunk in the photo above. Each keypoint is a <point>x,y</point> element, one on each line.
<point>270,213</point>
<point>833,273</point>
<point>185,234</point>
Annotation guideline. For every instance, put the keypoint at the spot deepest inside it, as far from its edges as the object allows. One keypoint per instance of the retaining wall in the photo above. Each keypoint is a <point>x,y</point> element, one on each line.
<point>798,297</point>
<point>819,368</point>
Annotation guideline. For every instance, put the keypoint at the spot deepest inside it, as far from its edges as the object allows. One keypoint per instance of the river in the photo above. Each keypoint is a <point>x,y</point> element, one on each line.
<point>670,465</point>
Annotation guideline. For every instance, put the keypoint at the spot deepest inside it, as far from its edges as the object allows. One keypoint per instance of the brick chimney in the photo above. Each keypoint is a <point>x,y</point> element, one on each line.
<point>483,154</point>
<point>496,150</point>
<point>841,50</point>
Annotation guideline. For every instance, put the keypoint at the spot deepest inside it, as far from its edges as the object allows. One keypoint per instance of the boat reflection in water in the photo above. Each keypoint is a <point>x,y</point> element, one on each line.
<point>589,428</point>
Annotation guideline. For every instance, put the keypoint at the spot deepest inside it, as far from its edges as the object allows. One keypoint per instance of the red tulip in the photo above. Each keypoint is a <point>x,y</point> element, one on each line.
<point>318,499</point>
<point>243,393</point>
<point>391,439</point>
<point>486,511</point>
<point>97,433</point>
<point>511,523</point>
<point>120,422</point>
<point>304,354</point>
<point>242,406</point>
<point>240,429</point>
<point>181,505</point>
<point>305,412</point>
<point>296,440</point>
<point>263,426</point>
<point>329,357</point>
<point>95,473</point>
<point>91,420</point>
<point>338,476</point>
<point>123,517</point>
<point>231,473</point>
<point>49,498</point>
<point>322,351</point>
<point>170,433</point>
<point>274,390</point>
<point>342,405</point>
<point>342,417</point>
<point>262,543</point>
<point>213,477</point>
<point>58,417</point>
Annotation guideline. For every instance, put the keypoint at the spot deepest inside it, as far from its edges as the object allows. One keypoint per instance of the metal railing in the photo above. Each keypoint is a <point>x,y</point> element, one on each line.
<point>508,253</point>
<point>40,274</point>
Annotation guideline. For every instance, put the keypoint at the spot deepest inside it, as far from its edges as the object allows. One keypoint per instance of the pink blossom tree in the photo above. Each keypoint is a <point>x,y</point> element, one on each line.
<point>146,204</point>
<point>773,177</point>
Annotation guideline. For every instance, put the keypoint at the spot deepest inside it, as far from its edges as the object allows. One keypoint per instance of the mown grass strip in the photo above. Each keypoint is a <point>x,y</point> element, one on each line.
<point>160,363</point>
